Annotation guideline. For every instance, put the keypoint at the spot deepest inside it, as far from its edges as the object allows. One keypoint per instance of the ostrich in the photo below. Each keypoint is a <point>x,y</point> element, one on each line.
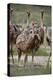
<point>28,40</point>
<point>48,39</point>
<point>13,33</point>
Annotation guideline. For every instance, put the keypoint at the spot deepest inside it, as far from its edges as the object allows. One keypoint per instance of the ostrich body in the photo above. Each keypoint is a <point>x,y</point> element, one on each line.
<point>41,33</point>
<point>28,41</point>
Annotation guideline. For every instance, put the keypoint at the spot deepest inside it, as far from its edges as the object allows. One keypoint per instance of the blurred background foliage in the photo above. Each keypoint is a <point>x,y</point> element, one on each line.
<point>19,14</point>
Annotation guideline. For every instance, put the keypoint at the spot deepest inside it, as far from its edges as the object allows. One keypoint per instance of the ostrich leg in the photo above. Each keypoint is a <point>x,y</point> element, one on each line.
<point>32,55</point>
<point>12,52</point>
<point>19,55</point>
<point>25,60</point>
<point>49,55</point>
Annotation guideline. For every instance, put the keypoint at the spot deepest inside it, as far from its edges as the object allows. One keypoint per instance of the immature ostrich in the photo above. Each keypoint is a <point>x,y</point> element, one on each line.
<point>28,41</point>
<point>48,39</point>
<point>13,33</point>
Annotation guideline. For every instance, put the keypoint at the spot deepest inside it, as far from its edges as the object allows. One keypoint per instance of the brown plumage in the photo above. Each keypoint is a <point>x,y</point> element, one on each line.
<point>27,41</point>
<point>13,33</point>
